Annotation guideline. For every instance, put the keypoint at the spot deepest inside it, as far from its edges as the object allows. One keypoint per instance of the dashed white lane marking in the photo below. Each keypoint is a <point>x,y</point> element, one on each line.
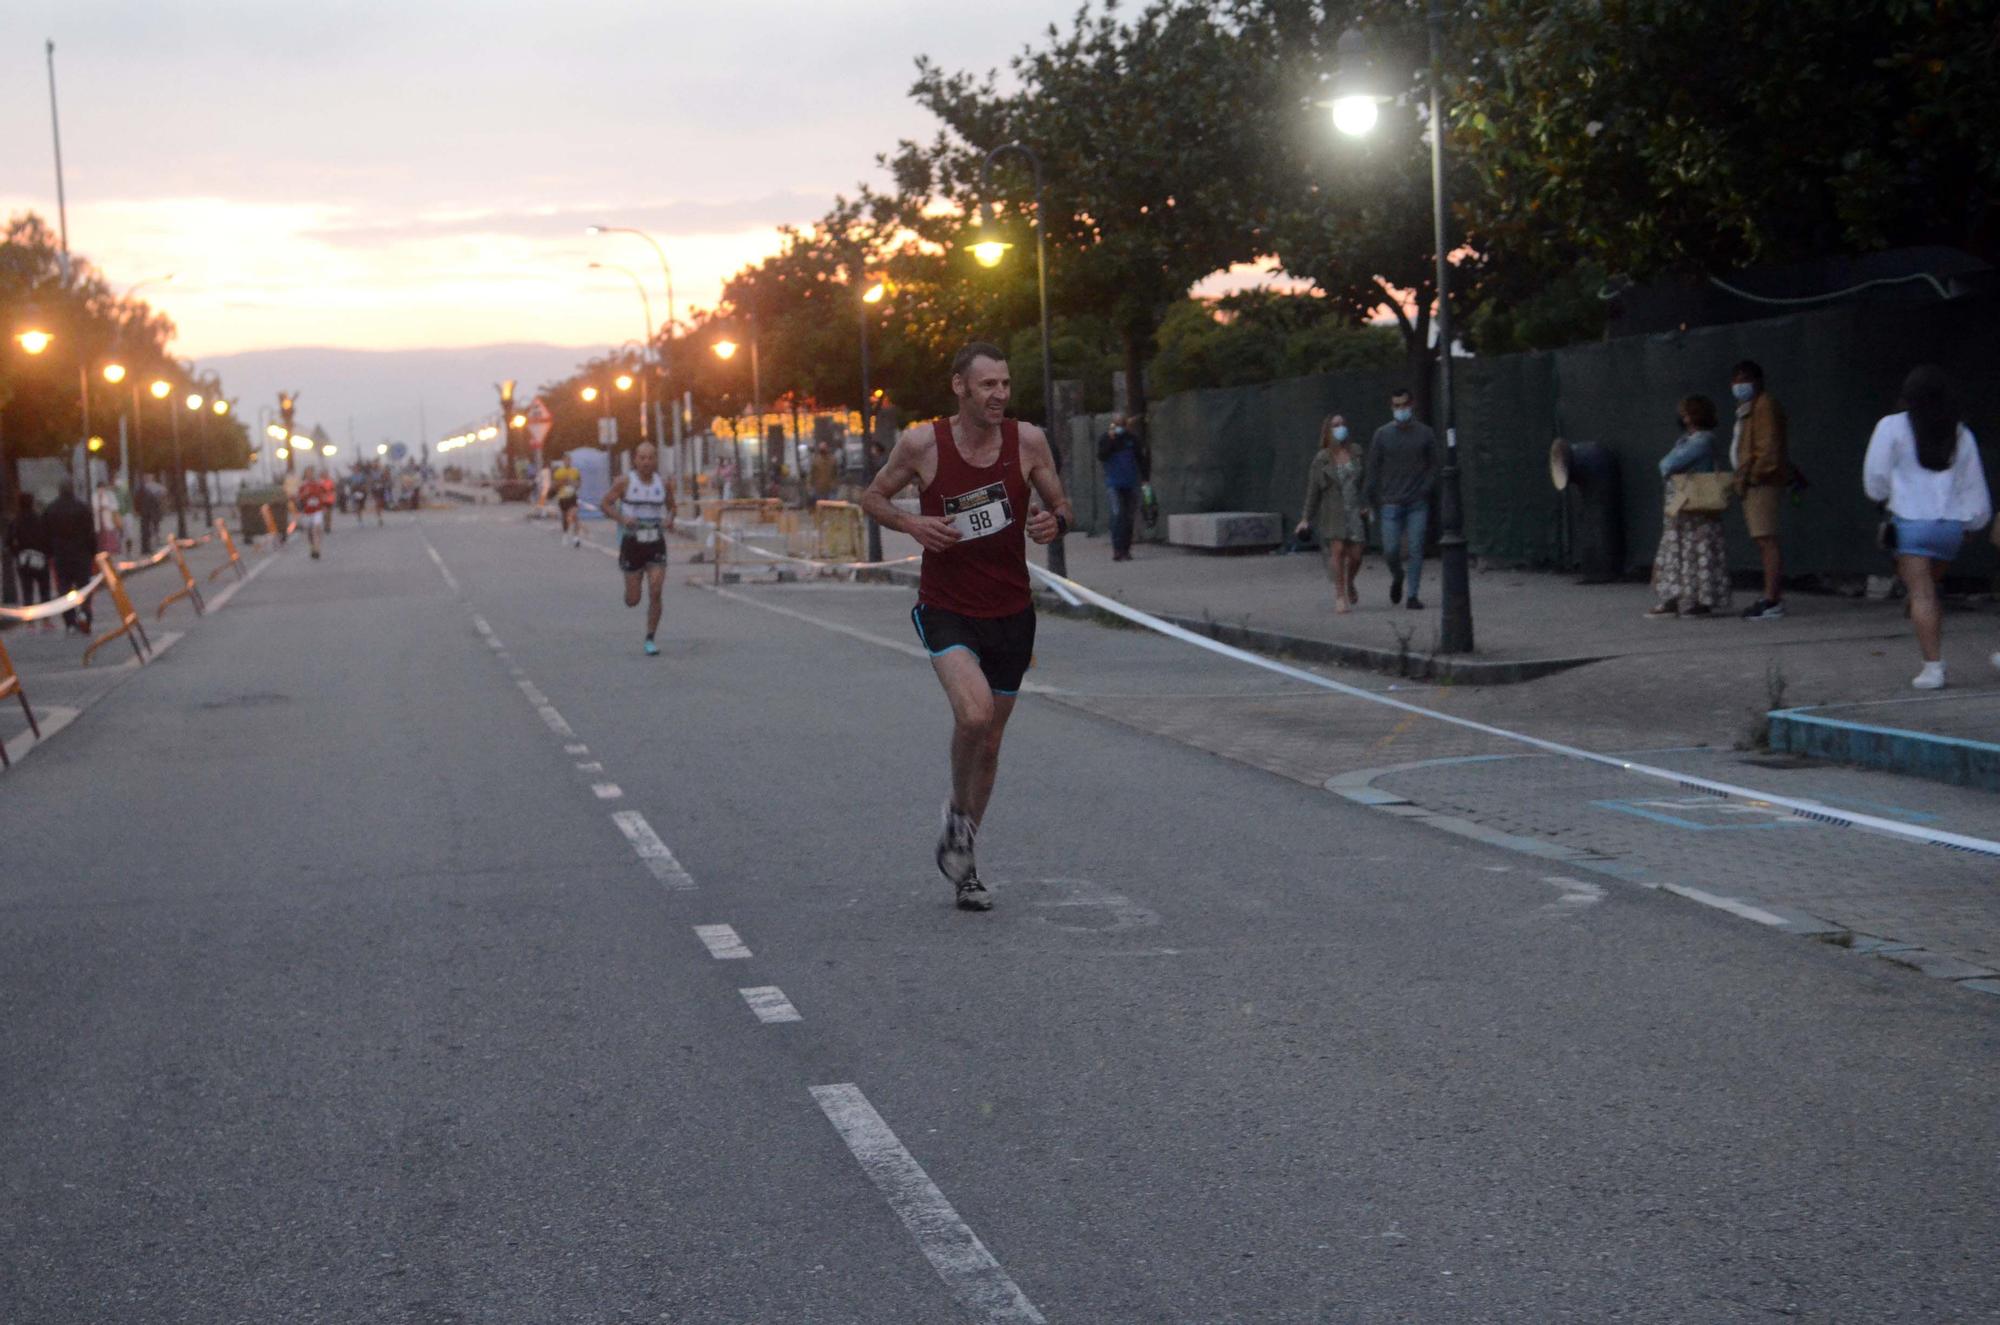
<point>770,1004</point>
<point>479,624</point>
<point>607,791</point>
<point>554,720</point>
<point>532,691</point>
<point>576,749</point>
<point>494,644</point>
<point>651,850</point>
<point>1576,894</point>
<point>952,1248</point>
<point>443,569</point>
<point>722,943</point>
<point>589,766</point>
<point>1729,904</point>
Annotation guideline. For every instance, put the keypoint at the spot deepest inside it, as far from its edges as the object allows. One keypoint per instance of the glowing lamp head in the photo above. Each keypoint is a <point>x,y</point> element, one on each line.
<point>381,448</point>
<point>1355,116</point>
<point>220,406</point>
<point>114,373</point>
<point>34,342</point>
<point>623,381</point>
<point>329,450</point>
<point>519,420</point>
<point>161,389</point>
<point>194,400</point>
<point>95,444</point>
<point>725,349</point>
<point>283,453</point>
<point>989,252</point>
<point>589,394</point>
<point>875,293</point>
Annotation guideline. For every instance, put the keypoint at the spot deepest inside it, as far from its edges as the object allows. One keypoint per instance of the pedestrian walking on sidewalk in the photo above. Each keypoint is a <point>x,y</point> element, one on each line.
<point>1402,469</point>
<point>148,500</point>
<point>1335,503</point>
<point>1924,465</point>
<point>1127,464</point>
<point>1691,567</point>
<point>1760,454</point>
<point>72,535</point>
<point>28,545</point>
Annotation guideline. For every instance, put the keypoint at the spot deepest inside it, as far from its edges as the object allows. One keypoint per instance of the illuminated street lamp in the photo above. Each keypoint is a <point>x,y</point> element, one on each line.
<point>381,448</point>
<point>646,304</point>
<point>588,394</point>
<point>194,400</point>
<point>870,297</point>
<point>221,406</point>
<point>95,444</point>
<point>329,450</point>
<point>161,389</point>
<point>519,420</point>
<point>623,381</point>
<point>1356,84</point>
<point>988,250</point>
<point>114,373</point>
<point>35,341</point>
<point>725,349</point>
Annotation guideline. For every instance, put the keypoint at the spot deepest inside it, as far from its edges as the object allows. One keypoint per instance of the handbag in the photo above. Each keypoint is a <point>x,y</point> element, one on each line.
<point>1699,494</point>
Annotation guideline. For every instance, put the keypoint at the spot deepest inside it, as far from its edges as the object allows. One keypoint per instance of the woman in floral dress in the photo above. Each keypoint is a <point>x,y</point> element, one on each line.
<point>1690,571</point>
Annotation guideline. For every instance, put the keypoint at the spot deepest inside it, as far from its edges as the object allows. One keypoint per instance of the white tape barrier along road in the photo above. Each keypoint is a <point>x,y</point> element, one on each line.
<point>753,549</point>
<point>1070,589</point>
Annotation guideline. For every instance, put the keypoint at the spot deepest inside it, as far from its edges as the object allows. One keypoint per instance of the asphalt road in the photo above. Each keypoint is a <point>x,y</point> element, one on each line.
<point>334,991</point>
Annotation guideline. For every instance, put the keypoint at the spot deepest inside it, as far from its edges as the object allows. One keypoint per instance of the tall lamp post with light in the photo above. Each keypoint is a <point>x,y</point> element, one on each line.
<point>646,306</point>
<point>988,249</point>
<point>870,297</point>
<point>725,350</point>
<point>1357,92</point>
<point>665,364</point>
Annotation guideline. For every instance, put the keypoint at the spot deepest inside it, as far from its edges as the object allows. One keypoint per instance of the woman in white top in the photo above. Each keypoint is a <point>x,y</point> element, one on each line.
<point>1925,464</point>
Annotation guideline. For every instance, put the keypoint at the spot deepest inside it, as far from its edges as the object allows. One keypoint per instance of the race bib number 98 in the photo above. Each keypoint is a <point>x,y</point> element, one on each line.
<point>980,512</point>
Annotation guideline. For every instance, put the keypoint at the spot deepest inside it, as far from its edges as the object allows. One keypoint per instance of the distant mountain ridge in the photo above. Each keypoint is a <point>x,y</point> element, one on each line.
<point>387,393</point>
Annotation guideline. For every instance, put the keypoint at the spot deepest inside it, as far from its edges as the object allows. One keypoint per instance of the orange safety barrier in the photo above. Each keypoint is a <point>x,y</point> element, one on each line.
<point>270,524</point>
<point>837,531</point>
<point>10,684</point>
<point>188,588</point>
<point>129,624</point>
<point>762,510</point>
<point>229,545</point>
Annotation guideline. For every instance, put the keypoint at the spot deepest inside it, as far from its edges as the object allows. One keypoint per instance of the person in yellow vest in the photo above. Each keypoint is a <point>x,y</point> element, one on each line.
<point>564,480</point>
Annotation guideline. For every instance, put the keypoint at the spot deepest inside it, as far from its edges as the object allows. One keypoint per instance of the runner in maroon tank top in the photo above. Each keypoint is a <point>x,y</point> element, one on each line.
<point>974,613</point>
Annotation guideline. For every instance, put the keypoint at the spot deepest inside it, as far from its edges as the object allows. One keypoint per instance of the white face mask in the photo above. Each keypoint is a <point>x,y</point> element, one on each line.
<point>1743,390</point>
<point>1403,414</point>
<point>1340,432</point>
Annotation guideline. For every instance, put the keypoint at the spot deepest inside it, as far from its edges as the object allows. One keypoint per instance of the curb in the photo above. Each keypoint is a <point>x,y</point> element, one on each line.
<point>1951,759</point>
<point>1410,665</point>
<point>1359,788</point>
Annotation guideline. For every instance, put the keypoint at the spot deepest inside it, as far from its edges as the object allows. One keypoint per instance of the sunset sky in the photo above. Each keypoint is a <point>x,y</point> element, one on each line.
<point>419,175</point>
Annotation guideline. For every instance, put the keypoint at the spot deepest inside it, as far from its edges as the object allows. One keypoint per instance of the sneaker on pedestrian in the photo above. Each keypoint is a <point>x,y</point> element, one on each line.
<point>1931,678</point>
<point>652,650</point>
<point>1415,604</point>
<point>974,895</point>
<point>1659,611</point>
<point>954,848</point>
<point>1764,610</point>
<point>1395,586</point>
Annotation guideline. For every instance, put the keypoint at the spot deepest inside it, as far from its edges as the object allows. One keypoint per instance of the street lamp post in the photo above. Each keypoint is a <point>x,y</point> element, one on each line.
<point>646,304</point>
<point>666,367</point>
<point>506,390</point>
<point>725,349</point>
<point>1353,114</point>
<point>1058,559</point>
<point>873,295</point>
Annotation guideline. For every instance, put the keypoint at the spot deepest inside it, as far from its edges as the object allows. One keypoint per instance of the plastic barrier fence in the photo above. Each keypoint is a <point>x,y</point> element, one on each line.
<point>10,684</point>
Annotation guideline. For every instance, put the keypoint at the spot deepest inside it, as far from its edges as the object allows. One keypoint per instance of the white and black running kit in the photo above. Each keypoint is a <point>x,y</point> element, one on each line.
<point>645,505</point>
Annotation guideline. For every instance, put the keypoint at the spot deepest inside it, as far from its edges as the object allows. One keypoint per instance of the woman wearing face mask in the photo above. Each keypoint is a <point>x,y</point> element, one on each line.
<point>1924,464</point>
<point>1334,503</point>
<point>1690,569</point>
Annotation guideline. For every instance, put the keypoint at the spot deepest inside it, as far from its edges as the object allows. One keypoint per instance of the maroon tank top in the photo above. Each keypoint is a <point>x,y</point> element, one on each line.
<point>985,573</point>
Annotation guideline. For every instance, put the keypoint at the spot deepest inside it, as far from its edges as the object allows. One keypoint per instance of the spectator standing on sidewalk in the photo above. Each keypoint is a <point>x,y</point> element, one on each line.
<point>1759,454</point>
<point>1924,463</point>
<point>1402,470</point>
<point>1691,568</point>
<point>1335,503</point>
<point>1127,464</point>
<point>28,545</point>
<point>72,535</point>
<point>146,504</point>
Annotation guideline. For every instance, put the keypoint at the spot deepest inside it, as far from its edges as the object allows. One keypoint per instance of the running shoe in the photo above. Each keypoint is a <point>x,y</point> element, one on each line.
<point>1764,610</point>
<point>954,848</point>
<point>1930,678</point>
<point>973,895</point>
<point>652,649</point>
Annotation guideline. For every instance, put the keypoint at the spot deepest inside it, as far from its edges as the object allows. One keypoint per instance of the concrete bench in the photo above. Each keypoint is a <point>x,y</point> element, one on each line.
<point>1226,529</point>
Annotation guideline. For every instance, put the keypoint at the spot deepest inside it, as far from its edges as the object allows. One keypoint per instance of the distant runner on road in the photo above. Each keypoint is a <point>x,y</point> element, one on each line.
<point>314,497</point>
<point>565,478</point>
<point>643,505</point>
<point>974,613</point>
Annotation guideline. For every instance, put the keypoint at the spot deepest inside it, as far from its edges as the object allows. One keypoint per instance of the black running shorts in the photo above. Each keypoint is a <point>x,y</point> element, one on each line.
<point>635,556</point>
<point>1004,645</point>
<point>566,503</point>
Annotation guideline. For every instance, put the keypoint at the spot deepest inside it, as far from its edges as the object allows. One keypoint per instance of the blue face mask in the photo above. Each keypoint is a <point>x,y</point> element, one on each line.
<point>1743,390</point>
<point>1403,414</point>
<point>1339,432</point>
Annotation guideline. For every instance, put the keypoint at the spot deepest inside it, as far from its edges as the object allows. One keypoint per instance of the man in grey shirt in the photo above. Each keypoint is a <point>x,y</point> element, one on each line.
<point>1402,471</point>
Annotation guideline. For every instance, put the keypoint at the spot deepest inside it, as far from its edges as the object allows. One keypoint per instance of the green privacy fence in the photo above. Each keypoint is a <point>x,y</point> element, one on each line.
<point>1835,372</point>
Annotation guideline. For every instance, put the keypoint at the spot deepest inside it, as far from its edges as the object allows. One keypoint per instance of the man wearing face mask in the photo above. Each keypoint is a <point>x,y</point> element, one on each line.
<point>1126,465</point>
<point>1763,467</point>
<point>1402,470</point>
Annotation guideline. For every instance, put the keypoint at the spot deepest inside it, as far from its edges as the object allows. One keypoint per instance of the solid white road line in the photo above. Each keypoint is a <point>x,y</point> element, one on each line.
<point>651,850</point>
<point>953,1249</point>
<point>52,720</point>
<point>1729,904</point>
<point>607,791</point>
<point>723,945</point>
<point>770,1004</point>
